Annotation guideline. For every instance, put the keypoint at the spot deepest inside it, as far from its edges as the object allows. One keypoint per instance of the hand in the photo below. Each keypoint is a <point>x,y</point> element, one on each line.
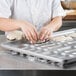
<point>30,32</point>
<point>46,33</point>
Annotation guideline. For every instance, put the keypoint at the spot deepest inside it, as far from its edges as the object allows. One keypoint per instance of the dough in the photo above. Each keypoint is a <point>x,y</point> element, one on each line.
<point>59,38</point>
<point>40,42</point>
<point>14,35</point>
<point>62,38</point>
<point>72,35</point>
<point>68,38</point>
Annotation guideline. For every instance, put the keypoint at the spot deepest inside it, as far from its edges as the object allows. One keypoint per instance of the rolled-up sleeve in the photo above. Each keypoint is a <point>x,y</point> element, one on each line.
<point>57,9</point>
<point>5,8</point>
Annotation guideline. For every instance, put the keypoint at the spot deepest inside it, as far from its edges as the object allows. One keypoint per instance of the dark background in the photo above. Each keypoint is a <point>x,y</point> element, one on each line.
<point>37,73</point>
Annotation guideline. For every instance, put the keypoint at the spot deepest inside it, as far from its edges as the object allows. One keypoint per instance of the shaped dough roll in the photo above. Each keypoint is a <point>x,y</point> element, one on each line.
<point>72,35</point>
<point>14,35</point>
<point>62,38</point>
<point>59,38</point>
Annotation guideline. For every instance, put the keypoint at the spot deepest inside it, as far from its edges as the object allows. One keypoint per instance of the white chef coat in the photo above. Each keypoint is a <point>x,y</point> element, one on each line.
<point>37,12</point>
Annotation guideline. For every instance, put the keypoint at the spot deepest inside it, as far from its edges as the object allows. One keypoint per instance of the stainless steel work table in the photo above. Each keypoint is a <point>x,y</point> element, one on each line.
<point>7,61</point>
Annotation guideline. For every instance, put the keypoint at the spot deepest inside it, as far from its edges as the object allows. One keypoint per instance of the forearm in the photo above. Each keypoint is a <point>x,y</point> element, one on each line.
<point>9,24</point>
<point>56,23</point>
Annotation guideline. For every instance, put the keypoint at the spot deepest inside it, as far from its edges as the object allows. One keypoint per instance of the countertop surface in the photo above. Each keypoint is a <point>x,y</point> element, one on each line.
<point>70,15</point>
<point>8,61</point>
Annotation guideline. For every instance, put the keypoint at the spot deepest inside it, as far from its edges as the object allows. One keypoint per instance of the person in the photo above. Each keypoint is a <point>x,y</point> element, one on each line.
<point>37,19</point>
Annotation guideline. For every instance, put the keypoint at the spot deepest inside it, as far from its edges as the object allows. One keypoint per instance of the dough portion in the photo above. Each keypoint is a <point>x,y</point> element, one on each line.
<point>14,35</point>
<point>72,35</point>
<point>59,38</point>
<point>68,38</point>
<point>62,38</point>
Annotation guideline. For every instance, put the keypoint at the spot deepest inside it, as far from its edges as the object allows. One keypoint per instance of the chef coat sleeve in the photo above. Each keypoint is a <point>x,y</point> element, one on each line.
<point>5,8</point>
<point>57,9</point>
